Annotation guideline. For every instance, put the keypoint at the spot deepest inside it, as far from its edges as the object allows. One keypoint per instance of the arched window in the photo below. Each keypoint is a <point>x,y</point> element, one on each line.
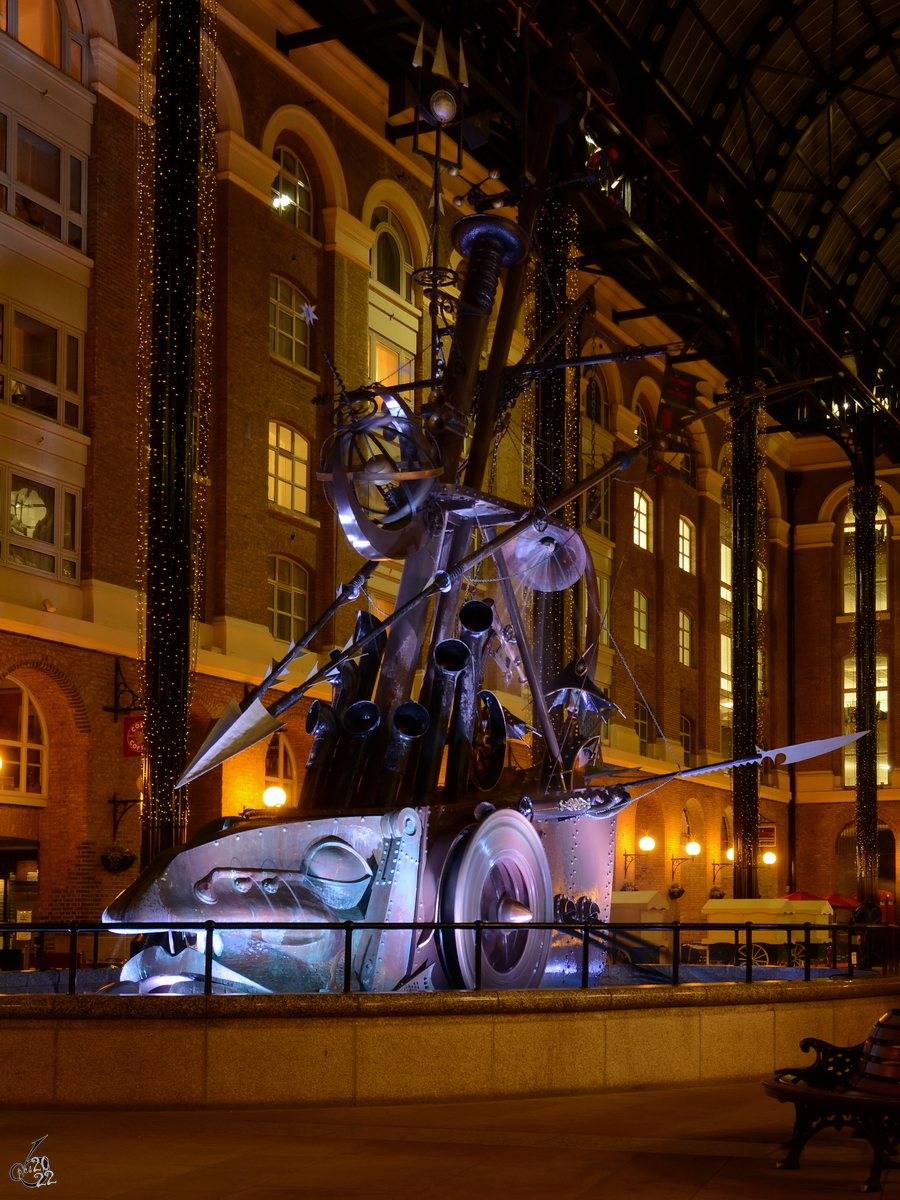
<point>686,550</point>
<point>288,599</point>
<point>849,559</point>
<point>881,708</point>
<point>643,520</point>
<point>391,255</point>
<point>280,768</point>
<point>291,195</point>
<point>288,329</point>
<point>53,29</point>
<point>288,468</point>
<point>23,743</point>
<point>643,426</point>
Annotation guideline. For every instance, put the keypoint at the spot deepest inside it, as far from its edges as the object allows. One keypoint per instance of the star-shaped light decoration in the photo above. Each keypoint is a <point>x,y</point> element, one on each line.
<point>308,312</point>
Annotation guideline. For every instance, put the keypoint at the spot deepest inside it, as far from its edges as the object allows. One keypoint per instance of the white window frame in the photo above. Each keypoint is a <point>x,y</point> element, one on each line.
<point>685,639</point>
<point>25,744</point>
<point>291,193</point>
<point>882,692</point>
<point>288,469</point>
<point>385,222</point>
<point>686,546</point>
<point>405,372</point>
<point>71,206</point>
<point>69,400</point>
<point>298,623</point>
<point>73,64</point>
<point>642,523</point>
<point>281,310</point>
<point>66,559</point>
<point>848,562</point>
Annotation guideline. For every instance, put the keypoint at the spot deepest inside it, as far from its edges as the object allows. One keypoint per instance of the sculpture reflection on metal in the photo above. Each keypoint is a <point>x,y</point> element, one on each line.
<point>411,809</point>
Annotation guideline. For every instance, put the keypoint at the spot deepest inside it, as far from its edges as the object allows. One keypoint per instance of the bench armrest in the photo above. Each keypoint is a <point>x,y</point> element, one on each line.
<point>832,1069</point>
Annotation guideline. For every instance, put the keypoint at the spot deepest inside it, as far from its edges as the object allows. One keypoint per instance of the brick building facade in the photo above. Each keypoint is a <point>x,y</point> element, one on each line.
<point>313,123</point>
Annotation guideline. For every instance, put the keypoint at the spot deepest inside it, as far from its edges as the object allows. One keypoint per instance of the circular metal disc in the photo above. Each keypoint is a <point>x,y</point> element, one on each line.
<point>548,560</point>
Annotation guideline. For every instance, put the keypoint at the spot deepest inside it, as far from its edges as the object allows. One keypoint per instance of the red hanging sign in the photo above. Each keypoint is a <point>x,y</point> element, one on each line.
<point>133,736</point>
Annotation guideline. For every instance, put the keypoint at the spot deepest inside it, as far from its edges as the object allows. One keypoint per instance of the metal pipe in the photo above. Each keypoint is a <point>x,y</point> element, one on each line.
<point>370,660</point>
<point>409,724</point>
<point>476,620</point>
<point>323,724</point>
<point>450,658</point>
<point>346,686</point>
<point>359,725</point>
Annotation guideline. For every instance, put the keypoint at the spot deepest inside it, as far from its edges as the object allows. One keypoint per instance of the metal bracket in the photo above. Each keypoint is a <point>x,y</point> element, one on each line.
<point>125,699</point>
<point>120,808</point>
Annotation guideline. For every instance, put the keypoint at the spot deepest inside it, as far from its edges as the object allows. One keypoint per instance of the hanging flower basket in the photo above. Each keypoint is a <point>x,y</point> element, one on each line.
<point>117,858</point>
<point>676,891</point>
<point>716,893</point>
<point>628,886</point>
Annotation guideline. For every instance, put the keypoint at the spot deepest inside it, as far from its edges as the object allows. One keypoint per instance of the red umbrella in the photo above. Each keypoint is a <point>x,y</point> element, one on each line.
<point>838,901</point>
<point>804,896</point>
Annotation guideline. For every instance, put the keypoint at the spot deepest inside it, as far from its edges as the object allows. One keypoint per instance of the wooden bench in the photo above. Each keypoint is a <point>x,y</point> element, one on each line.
<point>824,1098</point>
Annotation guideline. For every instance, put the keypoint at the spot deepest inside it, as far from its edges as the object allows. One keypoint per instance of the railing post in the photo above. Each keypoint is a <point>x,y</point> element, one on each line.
<point>479,926</point>
<point>208,959</point>
<point>676,953</point>
<point>348,955</point>
<point>96,948</point>
<point>586,960</point>
<point>73,956</point>
<point>40,950</point>
<point>850,952</point>
<point>748,966</point>
<point>807,936</point>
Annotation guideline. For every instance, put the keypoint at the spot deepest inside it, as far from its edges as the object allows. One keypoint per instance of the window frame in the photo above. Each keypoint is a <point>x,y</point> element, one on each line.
<point>641,612</point>
<point>61,553</point>
<point>273,611</point>
<point>68,36</point>
<point>69,208</point>
<point>276,307</point>
<point>406,369</point>
<point>275,453</point>
<point>22,795</point>
<point>686,732</point>
<point>642,728</point>
<point>848,562</point>
<point>687,554</point>
<point>882,702</point>
<point>65,397</point>
<point>299,180</point>
<point>385,222</point>
<point>642,521</point>
<point>280,779</point>
<point>685,638</point>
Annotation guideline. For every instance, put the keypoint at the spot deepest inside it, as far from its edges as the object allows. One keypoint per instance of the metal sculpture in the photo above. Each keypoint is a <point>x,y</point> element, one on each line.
<point>409,810</point>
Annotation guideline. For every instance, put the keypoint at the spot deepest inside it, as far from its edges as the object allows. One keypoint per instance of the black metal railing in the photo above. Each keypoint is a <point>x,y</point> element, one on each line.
<point>873,948</point>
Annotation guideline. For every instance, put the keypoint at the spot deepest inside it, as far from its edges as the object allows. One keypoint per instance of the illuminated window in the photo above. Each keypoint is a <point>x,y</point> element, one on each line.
<point>760,587</point>
<point>288,597</point>
<point>726,676</point>
<point>685,640</point>
<point>389,365</point>
<point>23,743</point>
<point>849,556</point>
<point>641,621</point>
<point>41,521</point>
<point>42,182</point>
<point>288,468</point>
<point>288,329</point>
<point>280,768</point>
<point>391,254</point>
<point>642,727</point>
<point>686,545</point>
<point>881,716</point>
<point>643,520</point>
<point>52,29</point>
<point>686,729</point>
<point>291,195</point>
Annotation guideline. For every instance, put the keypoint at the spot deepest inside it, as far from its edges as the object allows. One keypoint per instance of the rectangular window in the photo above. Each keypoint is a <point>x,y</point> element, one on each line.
<point>685,545</point>
<point>40,523</point>
<point>881,700</point>
<point>40,366</point>
<point>288,468</point>
<point>641,621</point>
<point>42,181</point>
<point>687,740</point>
<point>642,531</point>
<point>603,583</point>
<point>389,365</point>
<point>725,572</point>
<point>685,640</point>
<point>726,671</point>
<point>642,728</point>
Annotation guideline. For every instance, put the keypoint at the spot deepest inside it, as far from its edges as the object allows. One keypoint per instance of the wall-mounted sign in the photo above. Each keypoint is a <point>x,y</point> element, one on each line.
<point>766,835</point>
<point>133,736</point>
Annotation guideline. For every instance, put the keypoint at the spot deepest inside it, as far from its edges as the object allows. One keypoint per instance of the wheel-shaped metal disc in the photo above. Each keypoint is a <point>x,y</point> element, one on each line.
<point>488,742</point>
<point>497,871</point>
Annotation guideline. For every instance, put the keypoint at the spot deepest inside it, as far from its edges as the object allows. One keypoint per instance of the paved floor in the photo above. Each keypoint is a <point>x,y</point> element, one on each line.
<point>712,1143</point>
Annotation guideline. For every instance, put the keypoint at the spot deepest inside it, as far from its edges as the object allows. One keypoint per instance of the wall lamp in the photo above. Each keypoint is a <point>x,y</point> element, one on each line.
<point>645,845</point>
<point>769,858</point>
<point>691,850</point>
<point>272,797</point>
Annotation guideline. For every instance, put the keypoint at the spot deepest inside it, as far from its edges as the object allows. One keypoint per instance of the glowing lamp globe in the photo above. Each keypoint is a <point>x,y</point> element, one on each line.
<point>646,843</point>
<point>692,848</point>
<point>274,797</point>
<point>729,853</point>
<point>769,858</point>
